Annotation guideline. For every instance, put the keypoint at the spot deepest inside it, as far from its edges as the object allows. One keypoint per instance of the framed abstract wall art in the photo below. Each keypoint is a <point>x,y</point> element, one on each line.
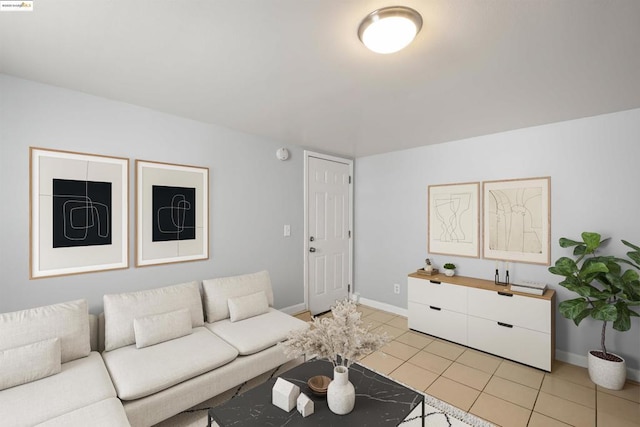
<point>453,215</point>
<point>79,211</point>
<point>517,220</point>
<point>172,213</point>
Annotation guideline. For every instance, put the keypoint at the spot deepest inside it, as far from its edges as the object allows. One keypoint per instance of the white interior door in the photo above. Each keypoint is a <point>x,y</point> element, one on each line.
<point>328,246</point>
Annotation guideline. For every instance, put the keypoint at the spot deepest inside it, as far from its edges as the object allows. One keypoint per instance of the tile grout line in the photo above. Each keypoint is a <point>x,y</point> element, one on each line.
<point>536,401</point>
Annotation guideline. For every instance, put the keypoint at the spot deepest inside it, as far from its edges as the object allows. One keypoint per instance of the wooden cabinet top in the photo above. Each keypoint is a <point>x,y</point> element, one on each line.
<point>473,282</point>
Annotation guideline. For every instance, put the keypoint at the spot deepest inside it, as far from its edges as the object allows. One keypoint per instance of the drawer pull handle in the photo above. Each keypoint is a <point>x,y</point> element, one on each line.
<point>506,325</point>
<point>435,308</point>
<point>505,294</point>
<point>435,281</point>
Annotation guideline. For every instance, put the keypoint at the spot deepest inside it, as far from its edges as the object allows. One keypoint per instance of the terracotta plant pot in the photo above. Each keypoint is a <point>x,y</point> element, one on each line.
<point>609,374</point>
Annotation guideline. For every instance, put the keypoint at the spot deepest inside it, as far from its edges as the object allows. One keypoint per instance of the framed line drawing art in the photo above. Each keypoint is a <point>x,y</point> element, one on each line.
<point>517,220</point>
<point>172,213</point>
<point>453,215</point>
<point>79,213</point>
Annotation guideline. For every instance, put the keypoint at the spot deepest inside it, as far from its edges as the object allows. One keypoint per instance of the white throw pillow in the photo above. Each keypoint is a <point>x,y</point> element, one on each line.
<point>121,309</point>
<point>31,362</point>
<point>218,291</point>
<point>241,308</point>
<point>68,321</point>
<point>150,330</point>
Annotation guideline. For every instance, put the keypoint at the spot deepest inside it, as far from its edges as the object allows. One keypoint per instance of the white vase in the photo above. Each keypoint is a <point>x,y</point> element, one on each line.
<point>448,272</point>
<point>341,396</point>
<point>607,373</point>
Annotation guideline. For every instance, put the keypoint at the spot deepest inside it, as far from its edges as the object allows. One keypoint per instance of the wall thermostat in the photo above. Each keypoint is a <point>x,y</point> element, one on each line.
<point>282,154</point>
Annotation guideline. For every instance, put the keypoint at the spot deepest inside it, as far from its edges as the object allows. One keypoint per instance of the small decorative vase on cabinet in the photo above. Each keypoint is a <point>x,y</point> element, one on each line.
<point>341,396</point>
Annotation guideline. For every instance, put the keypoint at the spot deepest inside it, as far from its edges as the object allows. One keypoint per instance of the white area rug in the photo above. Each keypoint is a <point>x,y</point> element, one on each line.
<point>437,413</point>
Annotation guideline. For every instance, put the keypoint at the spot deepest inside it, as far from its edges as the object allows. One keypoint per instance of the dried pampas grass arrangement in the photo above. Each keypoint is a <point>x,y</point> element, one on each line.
<point>343,338</point>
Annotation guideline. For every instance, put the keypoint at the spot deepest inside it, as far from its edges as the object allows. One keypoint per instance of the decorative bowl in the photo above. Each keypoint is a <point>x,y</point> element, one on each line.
<point>319,384</point>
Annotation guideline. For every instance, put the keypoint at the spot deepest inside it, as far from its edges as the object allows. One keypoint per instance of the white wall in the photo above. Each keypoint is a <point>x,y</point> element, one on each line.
<point>252,194</point>
<point>593,164</point>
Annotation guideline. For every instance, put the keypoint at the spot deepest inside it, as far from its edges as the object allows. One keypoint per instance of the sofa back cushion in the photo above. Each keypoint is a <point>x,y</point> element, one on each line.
<point>121,309</point>
<point>218,291</point>
<point>68,321</point>
<point>31,362</point>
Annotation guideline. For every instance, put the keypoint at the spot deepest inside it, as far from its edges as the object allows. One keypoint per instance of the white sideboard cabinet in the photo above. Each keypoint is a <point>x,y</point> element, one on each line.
<point>479,314</point>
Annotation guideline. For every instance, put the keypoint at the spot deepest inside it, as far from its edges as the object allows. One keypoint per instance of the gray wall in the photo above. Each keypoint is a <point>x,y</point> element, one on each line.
<point>252,194</point>
<point>593,164</point>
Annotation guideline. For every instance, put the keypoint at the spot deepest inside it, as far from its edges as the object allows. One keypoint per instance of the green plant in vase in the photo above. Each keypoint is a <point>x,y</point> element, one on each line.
<point>449,269</point>
<point>606,290</point>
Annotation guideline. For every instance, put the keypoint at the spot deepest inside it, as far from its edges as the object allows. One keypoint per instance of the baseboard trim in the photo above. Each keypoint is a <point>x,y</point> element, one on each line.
<point>384,306</point>
<point>294,309</point>
<point>580,360</point>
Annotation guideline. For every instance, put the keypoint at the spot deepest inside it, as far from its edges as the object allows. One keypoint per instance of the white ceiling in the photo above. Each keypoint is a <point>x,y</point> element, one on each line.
<point>294,70</point>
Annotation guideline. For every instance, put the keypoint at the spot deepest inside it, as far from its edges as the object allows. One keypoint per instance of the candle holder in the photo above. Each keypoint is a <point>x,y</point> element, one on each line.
<point>497,281</point>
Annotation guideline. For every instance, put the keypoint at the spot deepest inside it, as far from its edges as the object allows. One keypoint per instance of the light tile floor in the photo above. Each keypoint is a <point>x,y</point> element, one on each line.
<point>505,393</point>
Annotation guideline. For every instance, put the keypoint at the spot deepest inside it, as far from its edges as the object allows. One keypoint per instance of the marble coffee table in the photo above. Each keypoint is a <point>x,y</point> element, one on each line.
<point>380,401</point>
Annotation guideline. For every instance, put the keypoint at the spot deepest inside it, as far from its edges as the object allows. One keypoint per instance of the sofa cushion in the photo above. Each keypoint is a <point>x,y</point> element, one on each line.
<point>142,372</point>
<point>31,362</point>
<point>247,306</point>
<point>81,382</point>
<point>257,333</point>
<point>106,413</point>
<point>218,291</point>
<point>121,309</point>
<point>68,321</point>
<point>157,328</point>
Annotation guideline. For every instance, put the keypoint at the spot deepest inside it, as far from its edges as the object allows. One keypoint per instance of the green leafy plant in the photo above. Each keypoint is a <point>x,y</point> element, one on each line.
<point>606,290</point>
<point>449,266</point>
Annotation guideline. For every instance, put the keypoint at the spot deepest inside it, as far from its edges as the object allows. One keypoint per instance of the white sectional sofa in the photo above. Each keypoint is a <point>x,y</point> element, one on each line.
<point>48,374</point>
<point>164,358</point>
<point>160,355</point>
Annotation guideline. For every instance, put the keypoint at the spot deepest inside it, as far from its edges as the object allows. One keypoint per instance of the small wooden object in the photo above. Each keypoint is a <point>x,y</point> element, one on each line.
<point>423,272</point>
<point>318,384</point>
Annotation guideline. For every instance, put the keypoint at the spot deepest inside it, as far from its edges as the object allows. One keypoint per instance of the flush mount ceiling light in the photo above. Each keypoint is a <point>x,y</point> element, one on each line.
<point>389,29</point>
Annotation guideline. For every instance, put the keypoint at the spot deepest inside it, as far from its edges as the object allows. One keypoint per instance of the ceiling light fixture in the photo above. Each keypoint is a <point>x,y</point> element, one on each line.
<point>389,29</point>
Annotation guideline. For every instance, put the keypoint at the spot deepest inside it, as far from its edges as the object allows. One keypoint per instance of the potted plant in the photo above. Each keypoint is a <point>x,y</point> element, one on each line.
<point>606,291</point>
<point>449,269</point>
<point>427,265</point>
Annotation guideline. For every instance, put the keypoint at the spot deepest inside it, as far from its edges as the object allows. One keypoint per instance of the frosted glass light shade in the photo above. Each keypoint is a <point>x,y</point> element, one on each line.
<point>389,29</point>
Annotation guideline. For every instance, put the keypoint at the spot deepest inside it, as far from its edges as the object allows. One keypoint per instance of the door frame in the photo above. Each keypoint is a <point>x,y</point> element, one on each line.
<point>343,160</point>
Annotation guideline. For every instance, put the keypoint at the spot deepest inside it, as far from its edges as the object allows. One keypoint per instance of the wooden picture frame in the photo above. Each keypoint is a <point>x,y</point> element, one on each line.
<point>79,213</point>
<point>453,219</point>
<point>172,213</point>
<point>517,220</point>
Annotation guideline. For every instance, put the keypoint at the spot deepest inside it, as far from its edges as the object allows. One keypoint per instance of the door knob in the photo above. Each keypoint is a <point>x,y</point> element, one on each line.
<point>311,239</point>
<point>312,249</point>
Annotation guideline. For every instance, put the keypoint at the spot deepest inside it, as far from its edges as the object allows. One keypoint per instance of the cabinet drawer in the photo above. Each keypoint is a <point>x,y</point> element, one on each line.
<point>526,312</point>
<point>523,345</point>
<point>443,295</point>
<point>438,322</point>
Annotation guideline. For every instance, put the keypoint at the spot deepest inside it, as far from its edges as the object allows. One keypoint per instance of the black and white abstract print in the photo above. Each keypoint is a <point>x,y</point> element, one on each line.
<point>174,213</point>
<point>81,213</point>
